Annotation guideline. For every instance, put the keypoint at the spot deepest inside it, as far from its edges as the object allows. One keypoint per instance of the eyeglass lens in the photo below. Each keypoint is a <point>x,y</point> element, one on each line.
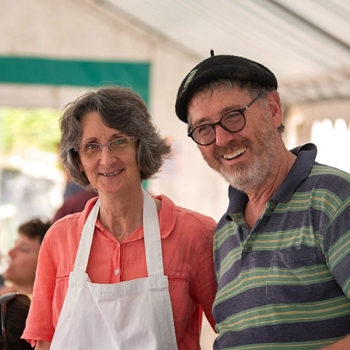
<point>91,149</point>
<point>233,121</point>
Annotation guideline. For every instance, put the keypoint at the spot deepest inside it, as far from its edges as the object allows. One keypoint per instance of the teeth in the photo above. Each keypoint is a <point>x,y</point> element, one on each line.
<point>112,174</point>
<point>234,154</point>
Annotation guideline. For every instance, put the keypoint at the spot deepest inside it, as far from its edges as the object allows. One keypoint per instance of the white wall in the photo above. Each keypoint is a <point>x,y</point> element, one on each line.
<point>326,124</point>
<point>78,29</point>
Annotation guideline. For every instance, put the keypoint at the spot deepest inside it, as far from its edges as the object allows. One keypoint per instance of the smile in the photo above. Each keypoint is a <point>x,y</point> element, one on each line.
<point>112,174</point>
<point>235,154</point>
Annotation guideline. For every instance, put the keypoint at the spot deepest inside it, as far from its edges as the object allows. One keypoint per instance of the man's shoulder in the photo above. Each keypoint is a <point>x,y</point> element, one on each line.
<point>325,171</point>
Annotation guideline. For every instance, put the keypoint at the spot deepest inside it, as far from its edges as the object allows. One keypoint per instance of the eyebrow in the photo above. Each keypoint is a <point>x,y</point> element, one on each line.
<point>112,138</point>
<point>223,111</point>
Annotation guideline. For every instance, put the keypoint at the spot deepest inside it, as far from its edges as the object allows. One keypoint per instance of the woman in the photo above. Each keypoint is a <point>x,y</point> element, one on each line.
<point>130,271</point>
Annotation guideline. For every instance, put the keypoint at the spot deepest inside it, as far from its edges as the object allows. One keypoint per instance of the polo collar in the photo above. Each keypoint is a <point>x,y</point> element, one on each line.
<point>300,170</point>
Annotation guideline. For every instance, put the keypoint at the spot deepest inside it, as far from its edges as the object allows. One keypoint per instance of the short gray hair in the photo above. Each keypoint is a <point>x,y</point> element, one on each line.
<point>122,109</point>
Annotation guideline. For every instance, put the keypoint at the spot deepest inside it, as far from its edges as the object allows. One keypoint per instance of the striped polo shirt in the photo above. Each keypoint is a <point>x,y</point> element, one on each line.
<point>285,283</point>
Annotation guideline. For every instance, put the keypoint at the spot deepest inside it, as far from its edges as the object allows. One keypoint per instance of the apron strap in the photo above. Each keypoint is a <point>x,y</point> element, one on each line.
<point>83,253</point>
<point>153,244</point>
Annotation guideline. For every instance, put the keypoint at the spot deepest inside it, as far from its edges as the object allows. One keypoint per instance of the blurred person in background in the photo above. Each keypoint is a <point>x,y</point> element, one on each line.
<point>74,203</point>
<point>23,257</point>
<point>131,271</point>
<point>14,311</point>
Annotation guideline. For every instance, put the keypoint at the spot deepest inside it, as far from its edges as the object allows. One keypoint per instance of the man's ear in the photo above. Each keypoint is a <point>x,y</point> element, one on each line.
<point>274,103</point>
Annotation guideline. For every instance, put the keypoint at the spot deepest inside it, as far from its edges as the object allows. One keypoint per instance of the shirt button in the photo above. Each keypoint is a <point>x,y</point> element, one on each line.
<point>118,245</point>
<point>116,271</point>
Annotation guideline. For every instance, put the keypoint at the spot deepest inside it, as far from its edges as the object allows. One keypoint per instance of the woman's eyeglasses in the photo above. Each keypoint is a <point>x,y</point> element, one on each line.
<point>4,300</point>
<point>92,149</point>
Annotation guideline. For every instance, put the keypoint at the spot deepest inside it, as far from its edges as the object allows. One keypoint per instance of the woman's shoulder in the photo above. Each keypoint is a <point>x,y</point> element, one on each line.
<point>187,218</point>
<point>65,232</point>
<point>187,211</point>
<point>72,223</point>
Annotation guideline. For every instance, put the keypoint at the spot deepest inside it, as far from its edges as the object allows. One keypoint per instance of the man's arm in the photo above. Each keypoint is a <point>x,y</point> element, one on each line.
<point>343,344</point>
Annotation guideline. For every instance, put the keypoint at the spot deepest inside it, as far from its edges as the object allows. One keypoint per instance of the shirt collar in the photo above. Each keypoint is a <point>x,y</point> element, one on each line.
<point>300,170</point>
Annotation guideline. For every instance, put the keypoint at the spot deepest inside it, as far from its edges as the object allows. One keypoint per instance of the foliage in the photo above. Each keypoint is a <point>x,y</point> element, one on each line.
<point>21,129</point>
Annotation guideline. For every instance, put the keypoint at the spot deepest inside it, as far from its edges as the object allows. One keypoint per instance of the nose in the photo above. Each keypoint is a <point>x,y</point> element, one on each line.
<point>106,155</point>
<point>222,136</point>
<point>11,252</point>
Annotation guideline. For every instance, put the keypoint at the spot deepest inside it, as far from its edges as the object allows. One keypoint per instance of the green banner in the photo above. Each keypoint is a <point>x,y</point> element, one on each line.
<point>44,71</point>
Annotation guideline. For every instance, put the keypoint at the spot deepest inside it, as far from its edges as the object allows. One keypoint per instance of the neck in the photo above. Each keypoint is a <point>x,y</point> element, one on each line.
<point>258,197</point>
<point>122,215</point>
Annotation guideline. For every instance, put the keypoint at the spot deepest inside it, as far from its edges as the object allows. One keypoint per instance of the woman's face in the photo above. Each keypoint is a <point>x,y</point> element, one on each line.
<point>108,171</point>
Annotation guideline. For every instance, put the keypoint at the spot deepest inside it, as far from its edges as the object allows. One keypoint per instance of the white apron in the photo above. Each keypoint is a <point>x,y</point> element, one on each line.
<point>131,315</point>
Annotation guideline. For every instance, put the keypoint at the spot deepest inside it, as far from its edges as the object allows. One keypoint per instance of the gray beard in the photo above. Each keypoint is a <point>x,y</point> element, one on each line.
<point>248,178</point>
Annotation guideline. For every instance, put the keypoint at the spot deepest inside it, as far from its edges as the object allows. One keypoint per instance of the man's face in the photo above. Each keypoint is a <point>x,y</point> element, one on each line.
<point>23,261</point>
<point>245,158</point>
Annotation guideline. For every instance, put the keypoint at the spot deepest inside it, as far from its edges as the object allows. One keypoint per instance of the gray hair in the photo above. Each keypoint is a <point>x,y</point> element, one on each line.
<point>122,109</point>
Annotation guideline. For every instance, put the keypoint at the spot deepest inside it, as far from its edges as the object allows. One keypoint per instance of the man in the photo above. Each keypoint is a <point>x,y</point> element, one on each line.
<point>23,257</point>
<point>282,249</point>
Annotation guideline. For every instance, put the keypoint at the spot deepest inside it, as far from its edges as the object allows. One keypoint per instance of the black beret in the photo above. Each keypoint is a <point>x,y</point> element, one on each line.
<point>221,67</point>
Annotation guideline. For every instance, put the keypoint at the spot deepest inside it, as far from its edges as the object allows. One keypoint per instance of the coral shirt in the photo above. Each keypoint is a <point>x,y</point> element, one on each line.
<point>187,245</point>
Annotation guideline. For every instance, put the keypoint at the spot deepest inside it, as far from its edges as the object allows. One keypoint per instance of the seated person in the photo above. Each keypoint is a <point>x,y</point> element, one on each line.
<point>14,312</point>
<point>23,257</point>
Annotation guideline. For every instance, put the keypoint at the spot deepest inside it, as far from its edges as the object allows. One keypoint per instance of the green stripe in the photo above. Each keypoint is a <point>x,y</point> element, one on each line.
<point>234,254</point>
<point>318,199</point>
<point>265,242</point>
<point>346,288</point>
<point>311,345</point>
<point>274,276</point>
<point>339,250</point>
<point>318,170</point>
<point>229,260</point>
<point>45,71</point>
<point>285,313</point>
<point>222,234</point>
<point>271,241</point>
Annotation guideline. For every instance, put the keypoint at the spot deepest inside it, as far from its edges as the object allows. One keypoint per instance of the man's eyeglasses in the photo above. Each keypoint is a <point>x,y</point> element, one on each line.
<point>232,121</point>
<point>92,149</point>
<point>4,300</point>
